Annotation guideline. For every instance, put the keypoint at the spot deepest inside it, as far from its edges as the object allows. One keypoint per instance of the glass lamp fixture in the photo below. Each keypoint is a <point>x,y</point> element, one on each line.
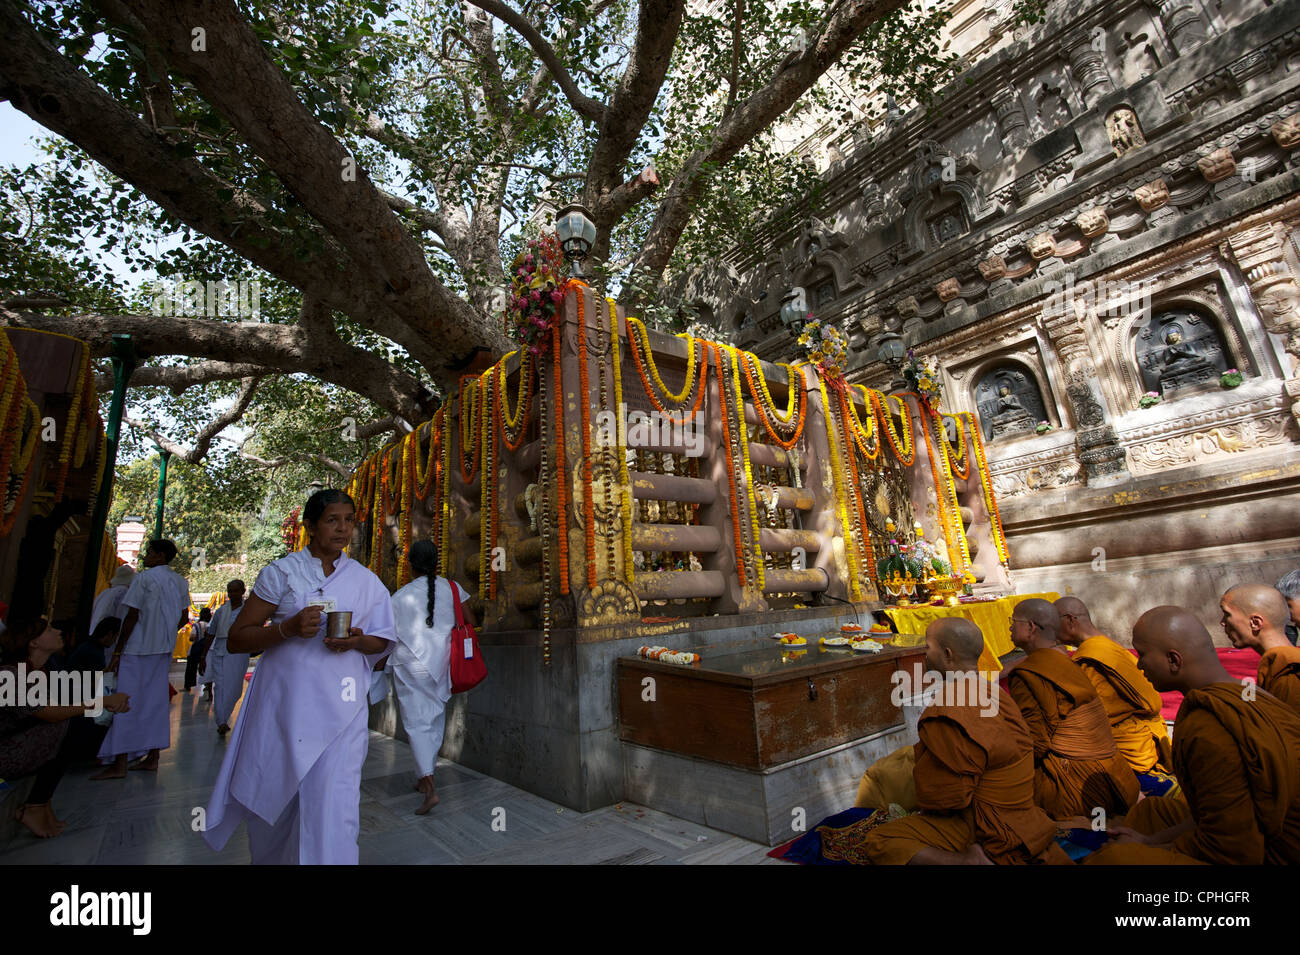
<point>577,234</point>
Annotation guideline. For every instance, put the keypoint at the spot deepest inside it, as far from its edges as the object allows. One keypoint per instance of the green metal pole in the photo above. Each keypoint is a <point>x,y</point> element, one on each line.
<point>124,362</point>
<point>165,456</point>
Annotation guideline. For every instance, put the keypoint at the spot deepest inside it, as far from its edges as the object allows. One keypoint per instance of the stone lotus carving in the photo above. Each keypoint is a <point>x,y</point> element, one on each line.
<point>1041,246</point>
<point>948,290</point>
<point>1152,196</point>
<point>1218,165</point>
<point>1124,131</point>
<point>993,268</point>
<point>1286,132</point>
<point>1092,222</point>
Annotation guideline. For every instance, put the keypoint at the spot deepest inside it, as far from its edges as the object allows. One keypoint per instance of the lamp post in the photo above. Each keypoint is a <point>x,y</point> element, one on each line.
<point>794,309</point>
<point>891,351</point>
<point>577,234</point>
<point>164,457</point>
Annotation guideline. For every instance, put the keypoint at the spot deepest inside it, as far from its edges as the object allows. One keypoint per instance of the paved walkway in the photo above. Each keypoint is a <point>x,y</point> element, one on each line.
<point>146,819</point>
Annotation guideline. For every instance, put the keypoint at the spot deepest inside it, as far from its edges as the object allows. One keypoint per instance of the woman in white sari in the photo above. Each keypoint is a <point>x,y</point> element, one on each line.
<point>293,769</point>
<point>424,614</point>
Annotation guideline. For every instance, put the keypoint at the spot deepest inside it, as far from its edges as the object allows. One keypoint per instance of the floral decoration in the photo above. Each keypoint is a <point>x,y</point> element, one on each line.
<point>1230,378</point>
<point>1149,399</point>
<point>825,346</point>
<point>537,285</point>
<point>922,375</point>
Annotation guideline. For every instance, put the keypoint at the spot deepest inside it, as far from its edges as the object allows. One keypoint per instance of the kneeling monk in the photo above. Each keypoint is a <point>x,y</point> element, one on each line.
<point>1077,768</point>
<point>1132,703</point>
<point>1236,753</point>
<point>974,771</point>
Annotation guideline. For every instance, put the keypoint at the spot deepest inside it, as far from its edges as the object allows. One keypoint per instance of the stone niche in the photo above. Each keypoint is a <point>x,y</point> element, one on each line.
<point>1010,401</point>
<point>1179,351</point>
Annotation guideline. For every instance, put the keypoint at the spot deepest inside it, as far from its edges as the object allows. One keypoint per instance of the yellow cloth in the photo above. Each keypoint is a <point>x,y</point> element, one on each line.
<point>889,780</point>
<point>992,617</point>
<point>1132,703</point>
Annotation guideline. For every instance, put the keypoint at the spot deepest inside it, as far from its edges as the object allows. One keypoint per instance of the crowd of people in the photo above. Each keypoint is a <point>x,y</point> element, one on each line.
<point>1075,743</point>
<point>292,766</point>
<point>1076,755</point>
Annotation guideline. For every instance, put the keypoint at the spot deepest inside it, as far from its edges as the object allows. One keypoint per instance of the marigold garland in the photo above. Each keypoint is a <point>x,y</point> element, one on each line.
<point>70,424</point>
<point>513,426</point>
<point>837,472</point>
<point>624,479</point>
<point>963,450</point>
<point>863,436</point>
<point>487,488</point>
<point>444,496</point>
<point>743,434</point>
<point>945,494</point>
<point>731,467</point>
<point>986,483</point>
<point>904,448</point>
<point>584,404</point>
<point>638,339</point>
<point>796,407</point>
<point>855,485</point>
<point>470,405</point>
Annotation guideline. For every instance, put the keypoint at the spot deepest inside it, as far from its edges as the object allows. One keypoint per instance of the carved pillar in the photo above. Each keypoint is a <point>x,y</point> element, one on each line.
<point>1088,65</point>
<point>1011,120</point>
<point>1183,24</point>
<point>1098,446</point>
<point>1259,253</point>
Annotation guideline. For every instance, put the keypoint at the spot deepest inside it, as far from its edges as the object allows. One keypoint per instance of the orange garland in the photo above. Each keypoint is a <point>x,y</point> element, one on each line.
<point>649,389</point>
<point>961,474</point>
<point>801,405</point>
<point>855,485</point>
<point>584,402</point>
<point>523,402</point>
<point>731,469</point>
<point>887,426</point>
<point>945,518</point>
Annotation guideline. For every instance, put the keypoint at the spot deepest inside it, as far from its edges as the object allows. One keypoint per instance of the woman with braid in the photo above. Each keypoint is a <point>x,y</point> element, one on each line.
<point>424,613</point>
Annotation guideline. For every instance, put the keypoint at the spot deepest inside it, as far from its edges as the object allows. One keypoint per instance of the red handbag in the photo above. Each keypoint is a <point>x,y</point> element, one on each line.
<point>467,666</point>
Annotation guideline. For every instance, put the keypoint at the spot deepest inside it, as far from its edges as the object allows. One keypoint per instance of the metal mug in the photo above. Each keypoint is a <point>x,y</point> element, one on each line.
<point>338,624</point>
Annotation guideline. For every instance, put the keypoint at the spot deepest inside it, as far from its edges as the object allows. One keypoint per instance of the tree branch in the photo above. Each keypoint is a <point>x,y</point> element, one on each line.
<point>300,456</point>
<point>203,439</point>
<point>282,348</point>
<point>582,104</point>
<point>180,377</point>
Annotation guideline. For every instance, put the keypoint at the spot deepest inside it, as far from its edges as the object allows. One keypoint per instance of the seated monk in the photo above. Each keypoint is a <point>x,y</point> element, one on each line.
<point>1236,753</point>
<point>974,772</point>
<point>1132,703</point>
<point>1077,768</point>
<point>1255,616</point>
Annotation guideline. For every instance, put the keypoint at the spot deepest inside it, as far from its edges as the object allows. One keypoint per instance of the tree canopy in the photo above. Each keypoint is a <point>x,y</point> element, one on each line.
<point>373,165</point>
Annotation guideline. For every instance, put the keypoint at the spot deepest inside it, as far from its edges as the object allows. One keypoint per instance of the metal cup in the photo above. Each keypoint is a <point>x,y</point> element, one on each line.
<point>338,623</point>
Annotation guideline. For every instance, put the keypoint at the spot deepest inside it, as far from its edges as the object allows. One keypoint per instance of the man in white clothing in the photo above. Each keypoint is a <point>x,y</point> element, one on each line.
<point>109,602</point>
<point>226,669</point>
<point>157,605</point>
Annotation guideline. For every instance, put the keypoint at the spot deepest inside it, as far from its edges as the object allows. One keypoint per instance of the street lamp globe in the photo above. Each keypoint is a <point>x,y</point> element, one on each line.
<point>577,234</point>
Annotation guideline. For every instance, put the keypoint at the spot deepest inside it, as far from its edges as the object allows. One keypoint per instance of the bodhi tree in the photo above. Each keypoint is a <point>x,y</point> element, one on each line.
<point>374,164</point>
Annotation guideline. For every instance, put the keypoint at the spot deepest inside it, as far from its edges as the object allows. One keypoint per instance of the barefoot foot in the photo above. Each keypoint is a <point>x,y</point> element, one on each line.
<point>430,800</point>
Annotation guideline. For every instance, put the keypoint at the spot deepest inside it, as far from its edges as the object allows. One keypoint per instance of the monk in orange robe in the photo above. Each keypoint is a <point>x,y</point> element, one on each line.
<point>1236,753</point>
<point>1077,768</point>
<point>1132,703</point>
<point>974,771</point>
<point>1255,616</point>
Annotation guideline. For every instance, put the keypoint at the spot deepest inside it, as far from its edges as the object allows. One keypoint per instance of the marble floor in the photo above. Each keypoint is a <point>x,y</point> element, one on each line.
<point>148,818</point>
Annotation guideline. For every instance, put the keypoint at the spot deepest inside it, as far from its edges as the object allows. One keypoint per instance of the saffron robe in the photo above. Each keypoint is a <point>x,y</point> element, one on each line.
<point>974,781</point>
<point>1279,674</point>
<point>293,766</point>
<point>1077,767</point>
<point>1239,764</point>
<point>1132,704</point>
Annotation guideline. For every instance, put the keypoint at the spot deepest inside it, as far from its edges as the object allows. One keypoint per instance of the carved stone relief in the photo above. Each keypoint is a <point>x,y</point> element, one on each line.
<point>1009,401</point>
<point>1178,350</point>
<point>1212,444</point>
<point>1124,131</point>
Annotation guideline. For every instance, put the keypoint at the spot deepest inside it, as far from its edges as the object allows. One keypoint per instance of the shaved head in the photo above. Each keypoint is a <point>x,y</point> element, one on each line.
<point>1261,600</point>
<point>1175,651</point>
<point>961,637</point>
<point>1076,622</point>
<point>1073,606</point>
<point>953,644</point>
<point>1035,625</point>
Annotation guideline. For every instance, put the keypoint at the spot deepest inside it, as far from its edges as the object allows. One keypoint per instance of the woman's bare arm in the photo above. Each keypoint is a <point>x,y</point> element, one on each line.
<point>248,634</point>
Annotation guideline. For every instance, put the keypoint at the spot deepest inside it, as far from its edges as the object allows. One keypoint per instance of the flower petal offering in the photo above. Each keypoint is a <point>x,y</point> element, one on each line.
<point>665,655</point>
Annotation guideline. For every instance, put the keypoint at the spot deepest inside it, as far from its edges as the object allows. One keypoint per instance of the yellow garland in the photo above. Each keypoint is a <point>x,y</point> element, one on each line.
<point>770,405</point>
<point>32,413</point>
<point>444,545</point>
<point>868,432</point>
<point>487,480</point>
<point>904,447</point>
<point>739,396</point>
<point>624,480</point>
<point>841,478</point>
<point>637,328</point>
<point>404,506</point>
<point>986,482</point>
<point>521,397</point>
<point>946,495</point>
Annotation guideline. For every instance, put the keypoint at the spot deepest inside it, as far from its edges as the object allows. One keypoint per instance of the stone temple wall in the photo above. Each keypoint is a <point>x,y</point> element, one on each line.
<point>1103,210</point>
